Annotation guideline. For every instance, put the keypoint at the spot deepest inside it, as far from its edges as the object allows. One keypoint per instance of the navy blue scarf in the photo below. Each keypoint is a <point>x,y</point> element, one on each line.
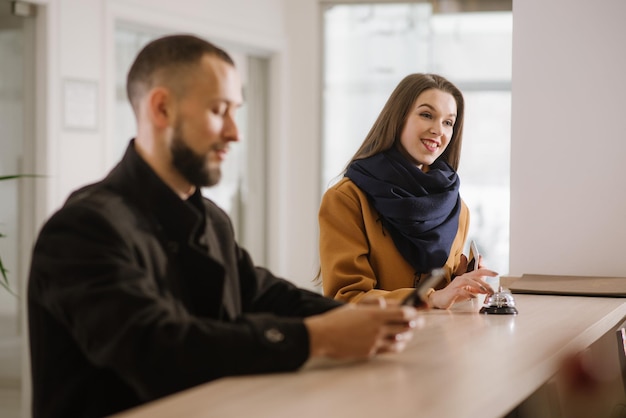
<point>420,210</point>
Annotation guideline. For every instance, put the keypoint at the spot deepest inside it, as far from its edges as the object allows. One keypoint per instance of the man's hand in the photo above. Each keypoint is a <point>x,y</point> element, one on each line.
<point>358,331</point>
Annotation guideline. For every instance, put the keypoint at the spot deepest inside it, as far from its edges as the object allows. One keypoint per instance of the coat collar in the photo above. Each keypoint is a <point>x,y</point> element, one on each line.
<point>180,220</point>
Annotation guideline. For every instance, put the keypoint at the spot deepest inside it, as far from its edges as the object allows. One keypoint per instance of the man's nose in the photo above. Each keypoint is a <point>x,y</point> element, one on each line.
<point>231,131</point>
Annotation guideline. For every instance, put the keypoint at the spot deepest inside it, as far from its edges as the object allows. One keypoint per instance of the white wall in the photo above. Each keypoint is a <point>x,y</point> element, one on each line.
<point>568,192</point>
<point>300,201</point>
<point>77,43</point>
<point>85,50</point>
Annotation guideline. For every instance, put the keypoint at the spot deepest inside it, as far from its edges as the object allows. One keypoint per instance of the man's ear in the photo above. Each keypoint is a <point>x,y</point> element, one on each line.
<point>160,107</point>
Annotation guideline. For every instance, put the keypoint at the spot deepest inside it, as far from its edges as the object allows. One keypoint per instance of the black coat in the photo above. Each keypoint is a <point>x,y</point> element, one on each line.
<point>135,294</point>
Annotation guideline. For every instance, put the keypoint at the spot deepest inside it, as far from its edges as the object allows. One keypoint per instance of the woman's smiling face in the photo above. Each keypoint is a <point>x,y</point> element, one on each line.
<point>429,127</point>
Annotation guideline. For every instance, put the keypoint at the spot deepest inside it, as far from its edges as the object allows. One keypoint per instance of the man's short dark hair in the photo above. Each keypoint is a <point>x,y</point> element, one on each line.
<point>167,56</point>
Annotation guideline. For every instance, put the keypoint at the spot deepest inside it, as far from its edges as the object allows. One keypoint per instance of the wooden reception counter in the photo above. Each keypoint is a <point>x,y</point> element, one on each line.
<point>460,364</point>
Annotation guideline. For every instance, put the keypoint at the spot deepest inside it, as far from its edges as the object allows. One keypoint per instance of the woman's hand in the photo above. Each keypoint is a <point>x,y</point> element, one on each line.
<point>463,287</point>
<point>463,263</point>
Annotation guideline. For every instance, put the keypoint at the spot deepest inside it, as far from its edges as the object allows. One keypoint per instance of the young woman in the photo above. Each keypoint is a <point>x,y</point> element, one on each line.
<point>397,214</point>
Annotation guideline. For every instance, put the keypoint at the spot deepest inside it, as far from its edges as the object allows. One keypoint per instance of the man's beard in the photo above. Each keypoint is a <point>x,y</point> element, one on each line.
<point>193,167</point>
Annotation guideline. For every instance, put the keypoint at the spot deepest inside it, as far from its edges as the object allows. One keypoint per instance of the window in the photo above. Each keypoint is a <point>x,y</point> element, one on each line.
<point>369,48</point>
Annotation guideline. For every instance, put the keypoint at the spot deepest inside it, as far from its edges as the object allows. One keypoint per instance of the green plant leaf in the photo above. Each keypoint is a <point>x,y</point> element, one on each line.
<point>17,176</point>
<point>4,281</point>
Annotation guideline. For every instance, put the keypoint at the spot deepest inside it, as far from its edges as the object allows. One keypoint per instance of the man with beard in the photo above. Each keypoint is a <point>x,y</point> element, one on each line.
<point>137,287</point>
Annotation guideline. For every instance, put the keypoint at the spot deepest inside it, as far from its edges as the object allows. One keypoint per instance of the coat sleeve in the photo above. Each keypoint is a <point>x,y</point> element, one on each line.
<point>262,291</point>
<point>89,280</point>
<point>346,271</point>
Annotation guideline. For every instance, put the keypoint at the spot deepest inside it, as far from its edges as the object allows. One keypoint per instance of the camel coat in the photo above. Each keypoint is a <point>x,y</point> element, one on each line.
<point>358,257</point>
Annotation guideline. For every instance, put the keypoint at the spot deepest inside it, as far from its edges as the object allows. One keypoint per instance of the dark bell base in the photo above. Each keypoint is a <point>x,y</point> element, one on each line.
<point>502,310</point>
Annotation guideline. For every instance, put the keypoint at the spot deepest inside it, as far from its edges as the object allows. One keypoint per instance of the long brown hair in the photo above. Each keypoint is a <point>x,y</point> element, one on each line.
<point>390,122</point>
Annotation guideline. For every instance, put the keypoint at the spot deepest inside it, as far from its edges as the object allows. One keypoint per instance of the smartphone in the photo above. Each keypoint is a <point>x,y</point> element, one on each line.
<point>417,298</point>
<point>472,260</point>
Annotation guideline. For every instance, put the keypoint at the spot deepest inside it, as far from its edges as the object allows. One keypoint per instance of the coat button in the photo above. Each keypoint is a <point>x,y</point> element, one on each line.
<point>273,335</point>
